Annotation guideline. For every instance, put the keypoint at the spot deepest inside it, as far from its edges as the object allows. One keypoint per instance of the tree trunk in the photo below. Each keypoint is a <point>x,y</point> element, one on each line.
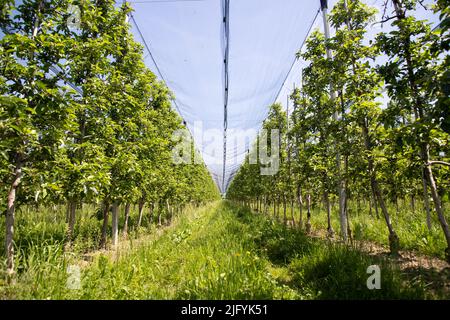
<point>127,216</point>
<point>349,230</point>
<point>330,231</point>
<point>115,224</point>
<point>10,217</point>
<point>394,243</point>
<point>342,212</point>
<point>436,199</point>
<point>103,240</point>
<point>340,183</point>
<point>292,212</point>
<point>300,206</point>
<point>169,212</point>
<point>67,213</point>
<point>413,206</point>
<point>278,208</point>
<point>151,210</point>
<point>141,211</point>
<point>396,204</point>
<point>375,204</point>
<point>71,208</point>
<point>284,211</point>
<point>159,214</point>
<point>308,213</point>
<point>426,200</point>
<point>265,205</point>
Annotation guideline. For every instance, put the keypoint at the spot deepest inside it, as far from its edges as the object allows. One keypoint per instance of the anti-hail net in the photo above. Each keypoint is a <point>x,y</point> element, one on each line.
<point>186,43</point>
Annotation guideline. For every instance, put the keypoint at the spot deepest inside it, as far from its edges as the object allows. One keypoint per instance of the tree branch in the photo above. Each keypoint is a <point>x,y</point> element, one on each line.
<point>385,20</point>
<point>439,162</point>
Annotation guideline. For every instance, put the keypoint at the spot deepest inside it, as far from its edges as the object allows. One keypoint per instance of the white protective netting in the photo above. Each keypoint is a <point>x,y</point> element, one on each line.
<point>185,44</point>
<point>187,41</point>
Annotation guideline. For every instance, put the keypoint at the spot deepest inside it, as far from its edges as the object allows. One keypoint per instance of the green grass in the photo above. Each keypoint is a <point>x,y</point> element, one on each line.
<point>220,251</point>
<point>35,226</point>
<point>410,227</point>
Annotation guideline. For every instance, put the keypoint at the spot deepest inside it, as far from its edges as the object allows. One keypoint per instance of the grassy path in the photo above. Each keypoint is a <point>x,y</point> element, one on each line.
<point>209,254</point>
<point>222,252</point>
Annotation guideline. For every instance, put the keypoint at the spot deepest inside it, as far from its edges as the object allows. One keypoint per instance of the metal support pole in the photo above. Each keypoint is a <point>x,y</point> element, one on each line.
<point>340,184</point>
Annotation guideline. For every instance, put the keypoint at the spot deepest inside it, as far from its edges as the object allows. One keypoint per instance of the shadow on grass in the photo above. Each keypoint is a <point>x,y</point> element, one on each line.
<point>327,270</point>
<point>434,280</point>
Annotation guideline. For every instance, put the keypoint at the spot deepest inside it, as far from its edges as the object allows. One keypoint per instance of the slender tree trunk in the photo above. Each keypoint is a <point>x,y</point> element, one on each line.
<point>71,208</point>
<point>375,204</point>
<point>330,231</point>
<point>10,217</point>
<point>426,201</point>
<point>394,243</point>
<point>141,211</point>
<point>396,204</point>
<point>278,208</point>
<point>347,217</point>
<point>159,214</point>
<point>127,216</point>
<point>300,206</point>
<point>151,211</point>
<point>342,212</point>
<point>169,212</point>
<point>265,205</point>
<point>349,229</point>
<point>106,208</point>
<point>115,224</point>
<point>308,213</point>
<point>340,183</point>
<point>284,211</point>
<point>67,213</point>
<point>413,206</point>
<point>436,199</point>
<point>292,212</point>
